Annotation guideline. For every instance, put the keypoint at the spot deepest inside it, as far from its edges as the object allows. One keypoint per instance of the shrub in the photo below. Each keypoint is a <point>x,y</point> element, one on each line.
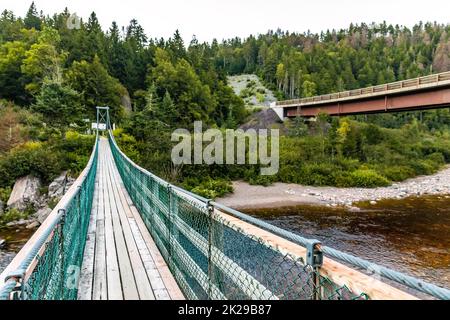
<point>4,194</point>
<point>213,188</point>
<point>320,174</point>
<point>436,158</point>
<point>372,134</point>
<point>367,178</point>
<point>24,161</point>
<point>398,173</point>
<point>261,180</point>
<point>251,84</point>
<point>127,144</point>
<point>423,167</point>
<point>260,97</point>
<point>343,179</point>
<point>289,174</point>
<point>246,93</point>
<point>13,215</point>
<point>46,160</point>
<point>261,91</point>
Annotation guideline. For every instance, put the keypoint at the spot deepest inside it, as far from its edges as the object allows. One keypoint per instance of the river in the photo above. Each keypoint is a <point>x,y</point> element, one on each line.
<point>410,235</point>
<point>15,239</point>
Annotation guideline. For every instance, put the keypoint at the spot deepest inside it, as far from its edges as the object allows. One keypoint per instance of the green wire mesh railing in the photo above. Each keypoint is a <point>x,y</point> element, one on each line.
<point>49,271</point>
<point>210,257</point>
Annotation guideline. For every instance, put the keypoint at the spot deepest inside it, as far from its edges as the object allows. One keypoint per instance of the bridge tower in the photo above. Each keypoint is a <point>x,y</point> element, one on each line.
<point>103,120</point>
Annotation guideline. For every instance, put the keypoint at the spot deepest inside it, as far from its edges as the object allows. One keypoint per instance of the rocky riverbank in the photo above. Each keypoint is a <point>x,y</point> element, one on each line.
<point>26,196</point>
<point>282,194</point>
<point>5,259</point>
<point>11,241</point>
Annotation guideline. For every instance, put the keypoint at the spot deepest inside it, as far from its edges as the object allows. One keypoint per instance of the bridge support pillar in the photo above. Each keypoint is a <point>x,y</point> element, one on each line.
<point>278,110</point>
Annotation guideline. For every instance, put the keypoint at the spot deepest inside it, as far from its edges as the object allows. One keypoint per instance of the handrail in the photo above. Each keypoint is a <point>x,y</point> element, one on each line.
<point>390,274</point>
<point>24,263</point>
<point>397,277</point>
<point>393,87</point>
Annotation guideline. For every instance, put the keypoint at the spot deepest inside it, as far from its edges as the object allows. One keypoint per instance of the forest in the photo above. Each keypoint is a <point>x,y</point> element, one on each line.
<point>53,76</point>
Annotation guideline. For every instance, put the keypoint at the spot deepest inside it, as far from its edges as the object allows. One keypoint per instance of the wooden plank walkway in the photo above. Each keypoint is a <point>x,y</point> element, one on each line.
<point>121,260</point>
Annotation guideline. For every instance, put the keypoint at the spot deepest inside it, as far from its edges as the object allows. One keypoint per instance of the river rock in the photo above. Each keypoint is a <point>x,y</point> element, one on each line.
<point>354,209</point>
<point>60,185</point>
<point>25,193</point>
<point>2,243</point>
<point>21,222</point>
<point>42,214</point>
<point>126,103</point>
<point>33,225</point>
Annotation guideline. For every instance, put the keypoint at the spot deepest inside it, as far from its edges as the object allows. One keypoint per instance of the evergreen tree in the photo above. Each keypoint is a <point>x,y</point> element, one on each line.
<point>12,85</point>
<point>60,105</point>
<point>97,87</point>
<point>116,54</point>
<point>32,19</point>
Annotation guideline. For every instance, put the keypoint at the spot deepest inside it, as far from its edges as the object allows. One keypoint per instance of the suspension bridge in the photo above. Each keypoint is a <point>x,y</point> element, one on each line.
<point>122,233</point>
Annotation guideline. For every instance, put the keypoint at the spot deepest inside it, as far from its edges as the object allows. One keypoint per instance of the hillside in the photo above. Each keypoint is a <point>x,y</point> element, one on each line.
<point>250,88</point>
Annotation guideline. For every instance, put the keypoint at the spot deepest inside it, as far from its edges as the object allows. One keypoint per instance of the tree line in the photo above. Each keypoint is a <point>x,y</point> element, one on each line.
<point>58,72</point>
<point>105,67</point>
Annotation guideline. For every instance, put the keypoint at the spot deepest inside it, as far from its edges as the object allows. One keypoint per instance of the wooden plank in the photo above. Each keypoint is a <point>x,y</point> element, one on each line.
<point>85,286</point>
<point>112,264</point>
<point>142,282</point>
<point>153,274</point>
<point>129,288</point>
<point>340,274</point>
<point>169,281</point>
<point>100,290</point>
<point>157,284</point>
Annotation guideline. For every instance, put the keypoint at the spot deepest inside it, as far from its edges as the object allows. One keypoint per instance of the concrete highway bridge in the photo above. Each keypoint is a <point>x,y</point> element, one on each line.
<point>429,92</point>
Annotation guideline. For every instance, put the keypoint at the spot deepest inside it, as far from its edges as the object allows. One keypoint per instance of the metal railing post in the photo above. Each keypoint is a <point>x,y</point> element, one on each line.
<point>169,227</point>
<point>17,293</point>
<point>210,244</point>
<point>61,244</point>
<point>314,260</point>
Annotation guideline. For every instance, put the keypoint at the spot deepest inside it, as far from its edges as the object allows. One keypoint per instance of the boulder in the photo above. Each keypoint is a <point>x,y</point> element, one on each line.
<point>354,209</point>
<point>265,119</point>
<point>42,214</point>
<point>25,193</point>
<point>126,103</point>
<point>19,223</point>
<point>33,225</point>
<point>59,186</point>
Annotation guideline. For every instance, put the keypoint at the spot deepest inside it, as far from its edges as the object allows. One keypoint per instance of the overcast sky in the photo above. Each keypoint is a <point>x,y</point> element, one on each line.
<point>208,19</point>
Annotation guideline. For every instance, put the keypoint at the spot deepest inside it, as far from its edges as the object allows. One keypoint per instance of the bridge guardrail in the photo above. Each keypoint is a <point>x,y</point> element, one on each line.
<point>216,252</point>
<point>379,89</point>
<point>47,267</point>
